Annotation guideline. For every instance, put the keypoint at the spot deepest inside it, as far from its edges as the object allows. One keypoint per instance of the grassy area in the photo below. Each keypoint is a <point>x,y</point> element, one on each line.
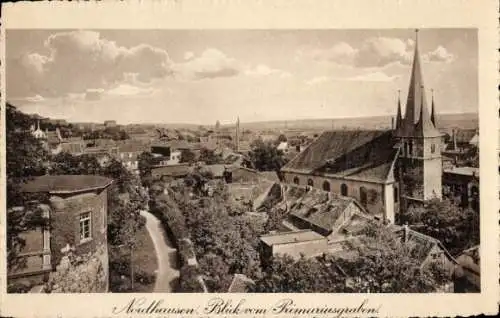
<point>145,262</point>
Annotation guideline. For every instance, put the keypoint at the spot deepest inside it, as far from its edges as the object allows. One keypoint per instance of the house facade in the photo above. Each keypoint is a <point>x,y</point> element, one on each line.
<point>76,210</point>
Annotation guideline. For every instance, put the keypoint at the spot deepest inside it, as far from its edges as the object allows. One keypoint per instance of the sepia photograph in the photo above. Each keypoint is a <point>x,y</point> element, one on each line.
<point>299,161</point>
<point>304,161</point>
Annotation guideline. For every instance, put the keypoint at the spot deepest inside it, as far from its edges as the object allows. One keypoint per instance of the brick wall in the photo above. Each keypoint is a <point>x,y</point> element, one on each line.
<point>65,224</point>
<point>377,206</point>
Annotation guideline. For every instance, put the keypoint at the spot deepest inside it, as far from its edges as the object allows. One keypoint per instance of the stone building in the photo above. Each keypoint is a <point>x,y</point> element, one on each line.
<point>69,254</point>
<point>294,243</point>
<point>385,171</point>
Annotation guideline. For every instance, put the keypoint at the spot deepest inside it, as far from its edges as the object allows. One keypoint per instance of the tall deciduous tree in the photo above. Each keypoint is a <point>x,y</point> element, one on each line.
<point>266,157</point>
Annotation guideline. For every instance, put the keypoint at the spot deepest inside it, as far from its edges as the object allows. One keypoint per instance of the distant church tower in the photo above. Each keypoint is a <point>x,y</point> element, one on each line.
<point>237,142</point>
<point>419,165</point>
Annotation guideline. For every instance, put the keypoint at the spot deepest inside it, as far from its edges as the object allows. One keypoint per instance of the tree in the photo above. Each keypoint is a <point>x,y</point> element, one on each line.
<point>25,157</point>
<point>457,228</point>
<point>145,164</point>
<point>266,157</point>
<point>187,156</point>
<point>286,275</point>
<point>282,138</point>
<point>209,157</point>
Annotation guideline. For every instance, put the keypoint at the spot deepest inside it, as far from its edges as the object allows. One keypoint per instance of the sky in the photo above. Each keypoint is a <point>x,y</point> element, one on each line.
<point>201,76</point>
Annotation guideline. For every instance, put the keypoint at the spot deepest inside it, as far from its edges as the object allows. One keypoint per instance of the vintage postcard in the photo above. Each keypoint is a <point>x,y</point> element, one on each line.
<point>249,159</point>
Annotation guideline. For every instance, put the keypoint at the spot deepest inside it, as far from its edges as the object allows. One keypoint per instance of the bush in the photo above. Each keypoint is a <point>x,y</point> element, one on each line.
<point>188,279</point>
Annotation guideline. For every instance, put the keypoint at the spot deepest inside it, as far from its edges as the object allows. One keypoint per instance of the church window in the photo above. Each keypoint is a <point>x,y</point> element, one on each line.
<point>433,148</point>
<point>310,182</point>
<point>396,194</point>
<point>296,180</point>
<point>363,196</point>
<point>343,189</point>
<point>326,186</point>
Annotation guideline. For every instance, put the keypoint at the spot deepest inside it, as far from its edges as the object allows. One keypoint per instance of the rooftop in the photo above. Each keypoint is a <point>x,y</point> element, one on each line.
<point>465,171</point>
<point>366,154</point>
<point>290,237</point>
<point>240,284</point>
<point>66,183</point>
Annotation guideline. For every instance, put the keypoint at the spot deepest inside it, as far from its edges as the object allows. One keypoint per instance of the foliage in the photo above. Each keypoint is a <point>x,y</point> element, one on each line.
<point>286,275</point>
<point>26,157</point>
<point>282,138</point>
<point>457,228</point>
<point>188,279</point>
<point>209,157</point>
<point>380,264</point>
<point>114,133</point>
<point>215,272</point>
<point>145,164</point>
<point>187,156</point>
<point>265,157</point>
<point>220,235</point>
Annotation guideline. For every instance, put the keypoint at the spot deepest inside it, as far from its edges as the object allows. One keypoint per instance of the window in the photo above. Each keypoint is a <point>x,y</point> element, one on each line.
<point>396,195</point>
<point>310,182</point>
<point>363,196</point>
<point>433,148</point>
<point>85,229</point>
<point>326,186</point>
<point>296,180</point>
<point>410,148</point>
<point>343,189</point>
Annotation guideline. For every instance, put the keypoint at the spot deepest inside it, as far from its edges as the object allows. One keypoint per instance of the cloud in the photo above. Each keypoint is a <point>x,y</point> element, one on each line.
<point>93,94</point>
<point>35,99</point>
<point>440,54</point>
<point>318,80</point>
<point>375,52</point>
<point>212,63</point>
<point>129,90</point>
<point>380,51</point>
<point>264,70</point>
<point>372,77</point>
<point>367,77</point>
<point>188,55</point>
<point>341,53</point>
<point>79,60</point>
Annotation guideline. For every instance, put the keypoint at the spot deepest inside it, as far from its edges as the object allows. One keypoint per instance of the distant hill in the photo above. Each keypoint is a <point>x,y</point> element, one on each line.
<point>445,122</point>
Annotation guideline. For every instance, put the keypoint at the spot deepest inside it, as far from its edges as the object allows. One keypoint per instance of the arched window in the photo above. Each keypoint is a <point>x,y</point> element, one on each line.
<point>326,186</point>
<point>343,189</point>
<point>296,180</point>
<point>433,148</point>
<point>396,194</point>
<point>363,196</point>
<point>310,182</point>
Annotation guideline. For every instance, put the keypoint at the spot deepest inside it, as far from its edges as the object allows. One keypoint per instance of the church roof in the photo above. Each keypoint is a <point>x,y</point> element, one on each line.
<point>365,154</point>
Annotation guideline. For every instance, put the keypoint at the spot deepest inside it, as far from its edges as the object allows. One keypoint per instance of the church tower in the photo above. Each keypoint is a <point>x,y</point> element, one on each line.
<point>419,165</point>
<point>237,143</point>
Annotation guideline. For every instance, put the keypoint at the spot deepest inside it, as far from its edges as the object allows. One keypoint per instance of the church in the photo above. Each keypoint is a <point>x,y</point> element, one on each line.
<point>385,171</point>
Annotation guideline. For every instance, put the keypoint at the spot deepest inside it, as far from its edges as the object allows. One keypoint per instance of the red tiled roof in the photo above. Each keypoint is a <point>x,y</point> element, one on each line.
<point>66,183</point>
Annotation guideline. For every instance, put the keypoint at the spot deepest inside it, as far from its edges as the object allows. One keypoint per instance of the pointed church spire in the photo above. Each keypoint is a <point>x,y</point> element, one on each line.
<point>399,118</point>
<point>425,127</point>
<point>415,94</point>
<point>433,114</point>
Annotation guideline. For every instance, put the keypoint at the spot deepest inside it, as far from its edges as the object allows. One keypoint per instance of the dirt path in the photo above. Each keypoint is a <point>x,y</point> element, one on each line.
<point>167,275</point>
